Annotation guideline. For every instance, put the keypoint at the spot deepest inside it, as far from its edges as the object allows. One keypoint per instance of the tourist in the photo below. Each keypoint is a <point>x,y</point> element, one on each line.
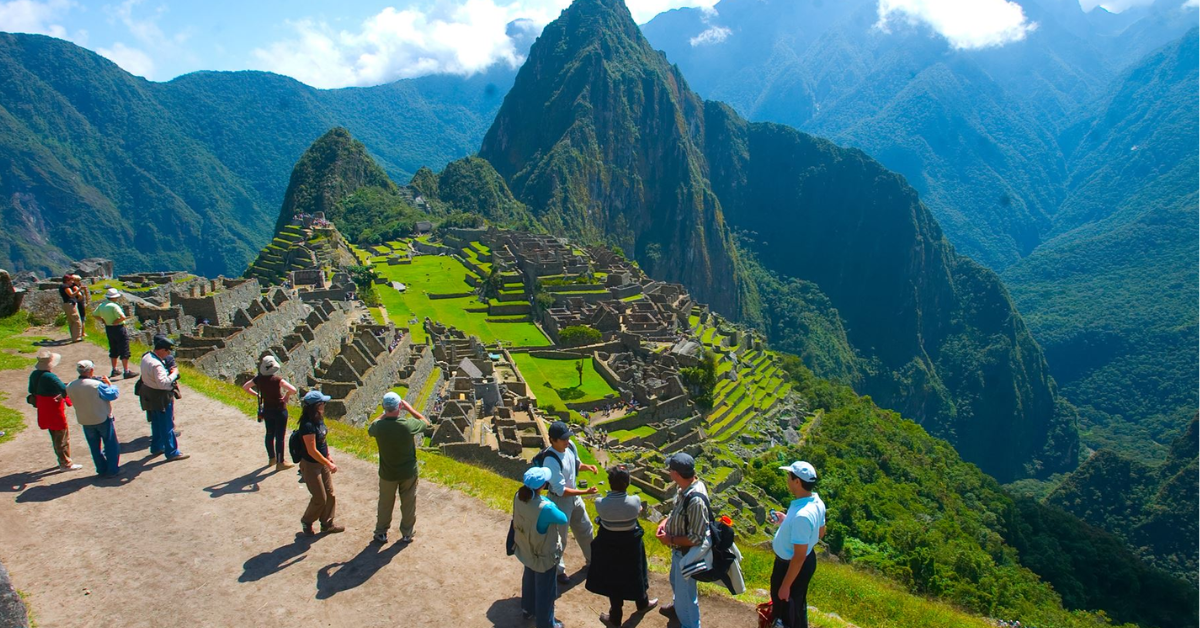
<point>70,299</point>
<point>795,546</point>
<point>562,460</point>
<point>619,568</point>
<point>396,437</point>
<point>316,465</point>
<point>537,546</point>
<point>83,297</point>
<point>685,531</point>
<point>114,318</point>
<point>273,392</point>
<point>50,398</point>
<point>92,397</point>
<point>157,395</point>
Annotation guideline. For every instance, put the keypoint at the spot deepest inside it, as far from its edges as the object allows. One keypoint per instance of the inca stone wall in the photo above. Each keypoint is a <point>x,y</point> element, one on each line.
<point>218,308</point>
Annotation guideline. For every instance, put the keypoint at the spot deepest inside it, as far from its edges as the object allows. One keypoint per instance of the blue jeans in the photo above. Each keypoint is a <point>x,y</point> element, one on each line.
<point>104,434</point>
<point>687,596</point>
<point>538,591</point>
<point>162,432</point>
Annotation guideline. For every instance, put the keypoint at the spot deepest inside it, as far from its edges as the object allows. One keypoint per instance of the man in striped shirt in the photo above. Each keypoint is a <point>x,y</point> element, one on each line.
<point>685,531</point>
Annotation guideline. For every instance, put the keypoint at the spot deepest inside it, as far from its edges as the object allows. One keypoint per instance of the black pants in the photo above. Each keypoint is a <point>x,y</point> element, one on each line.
<point>275,420</point>
<point>794,612</point>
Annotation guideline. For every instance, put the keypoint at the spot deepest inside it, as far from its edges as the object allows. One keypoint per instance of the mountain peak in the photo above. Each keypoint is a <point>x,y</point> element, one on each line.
<point>332,168</point>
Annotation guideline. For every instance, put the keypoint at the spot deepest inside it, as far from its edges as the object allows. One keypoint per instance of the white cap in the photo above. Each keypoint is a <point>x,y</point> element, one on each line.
<point>802,470</point>
<point>84,366</point>
<point>112,293</point>
<point>391,401</point>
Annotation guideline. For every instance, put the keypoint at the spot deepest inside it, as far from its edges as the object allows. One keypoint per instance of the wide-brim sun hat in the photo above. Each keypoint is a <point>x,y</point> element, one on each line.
<point>269,366</point>
<point>47,360</point>
<point>112,293</point>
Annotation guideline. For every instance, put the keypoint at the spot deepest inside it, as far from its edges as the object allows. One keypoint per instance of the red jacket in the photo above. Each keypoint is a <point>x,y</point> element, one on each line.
<point>51,414</point>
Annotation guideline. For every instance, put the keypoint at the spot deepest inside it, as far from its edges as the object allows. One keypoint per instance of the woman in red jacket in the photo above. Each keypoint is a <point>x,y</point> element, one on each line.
<point>51,399</point>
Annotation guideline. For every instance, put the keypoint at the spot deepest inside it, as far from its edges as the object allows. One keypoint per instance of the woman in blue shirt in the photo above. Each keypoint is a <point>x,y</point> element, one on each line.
<point>537,546</point>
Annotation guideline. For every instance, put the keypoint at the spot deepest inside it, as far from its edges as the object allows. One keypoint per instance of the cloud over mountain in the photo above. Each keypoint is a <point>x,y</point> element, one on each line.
<point>966,24</point>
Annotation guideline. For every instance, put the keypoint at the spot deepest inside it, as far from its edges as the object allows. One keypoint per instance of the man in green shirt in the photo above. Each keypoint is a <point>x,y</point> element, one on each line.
<point>396,437</point>
<point>113,317</point>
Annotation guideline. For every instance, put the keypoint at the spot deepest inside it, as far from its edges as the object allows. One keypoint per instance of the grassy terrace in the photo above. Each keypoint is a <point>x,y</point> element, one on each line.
<point>436,274</point>
<point>556,381</point>
<point>637,432</point>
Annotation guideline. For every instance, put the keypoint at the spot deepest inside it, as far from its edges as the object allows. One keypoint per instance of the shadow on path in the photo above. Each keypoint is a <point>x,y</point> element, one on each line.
<point>505,613</point>
<point>82,478</point>
<point>135,445</point>
<point>357,570</point>
<point>276,560</point>
<point>53,343</point>
<point>19,481</point>
<point>245,484</point>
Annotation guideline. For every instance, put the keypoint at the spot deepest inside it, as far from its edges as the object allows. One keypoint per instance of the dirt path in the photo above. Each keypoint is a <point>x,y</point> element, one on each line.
<point>211,541</point>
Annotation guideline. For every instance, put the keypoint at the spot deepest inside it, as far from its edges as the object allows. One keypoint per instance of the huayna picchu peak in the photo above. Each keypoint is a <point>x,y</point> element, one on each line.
<point>602,138</point>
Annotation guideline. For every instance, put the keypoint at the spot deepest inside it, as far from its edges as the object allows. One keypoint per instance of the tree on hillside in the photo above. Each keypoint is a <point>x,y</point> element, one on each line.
<point>579,369</point>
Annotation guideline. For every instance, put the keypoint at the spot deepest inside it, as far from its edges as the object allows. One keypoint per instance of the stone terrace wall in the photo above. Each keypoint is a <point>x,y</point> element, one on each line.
<point>375,368</point>
<point>482,456</point>
<point>218,308</point>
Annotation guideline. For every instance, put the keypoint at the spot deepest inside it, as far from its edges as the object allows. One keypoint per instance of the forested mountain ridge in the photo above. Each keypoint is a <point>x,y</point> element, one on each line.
<point>1065,160</point>
<point>1112,297</point>
<point>601,136</point>
<point>190,173</point>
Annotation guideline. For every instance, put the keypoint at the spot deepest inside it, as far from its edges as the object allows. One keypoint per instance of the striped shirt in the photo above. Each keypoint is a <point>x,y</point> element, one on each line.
<point>619,511</point>
<point>693,525</point>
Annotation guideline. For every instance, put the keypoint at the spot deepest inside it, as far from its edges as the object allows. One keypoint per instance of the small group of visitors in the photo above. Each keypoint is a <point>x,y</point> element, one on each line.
<point>92,394</point>
<point>615,558</point>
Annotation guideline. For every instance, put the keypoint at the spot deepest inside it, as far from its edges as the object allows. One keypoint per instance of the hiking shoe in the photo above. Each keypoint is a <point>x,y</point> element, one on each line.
<point>332,528</point>
<point>307,530</point>
<point>613,621</point>
<point>270,462</point>
<point>179,457</point>
<point>380,537</point>
<point>406,539</point>
<point>130,374</point>
<point>283,465</point>
<point>70,467</point>
<point>114,373</point>
<point>668,611</point>
<point>563,578</point>
<point>649,606</point>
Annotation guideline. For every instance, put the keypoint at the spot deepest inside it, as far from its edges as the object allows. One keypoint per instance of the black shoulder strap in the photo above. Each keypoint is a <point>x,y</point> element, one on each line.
<point>550,451</point>
<point>687,501</point>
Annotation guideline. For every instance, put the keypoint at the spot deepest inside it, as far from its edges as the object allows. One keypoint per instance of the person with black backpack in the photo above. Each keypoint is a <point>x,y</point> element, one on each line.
<point>562,459</point>
<point>316,466</point>
<point>686,532</point>
<point>795,544</point>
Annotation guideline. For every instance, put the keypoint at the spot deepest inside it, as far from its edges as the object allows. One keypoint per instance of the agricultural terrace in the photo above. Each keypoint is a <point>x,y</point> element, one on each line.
<point>437,274</point>
<point>556,382</point>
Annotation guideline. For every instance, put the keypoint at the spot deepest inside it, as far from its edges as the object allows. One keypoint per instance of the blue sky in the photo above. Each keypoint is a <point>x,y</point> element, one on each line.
<point>367,42</point>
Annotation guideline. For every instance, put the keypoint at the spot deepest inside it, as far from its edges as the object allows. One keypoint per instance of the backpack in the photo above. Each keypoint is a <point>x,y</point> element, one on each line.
<point>539,459</point>
<point>722,536</point>
<point>296,446</point>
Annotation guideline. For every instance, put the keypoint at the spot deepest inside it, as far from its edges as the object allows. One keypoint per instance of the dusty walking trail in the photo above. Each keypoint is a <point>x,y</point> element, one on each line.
<point>212,541</point>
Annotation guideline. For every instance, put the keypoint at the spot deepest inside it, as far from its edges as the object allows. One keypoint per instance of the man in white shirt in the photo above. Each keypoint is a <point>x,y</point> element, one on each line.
<point>795,544</point>
<point>158,399</point>
<point>564,464</point>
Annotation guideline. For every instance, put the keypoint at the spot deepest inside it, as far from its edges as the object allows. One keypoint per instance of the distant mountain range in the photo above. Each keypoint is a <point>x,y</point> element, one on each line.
<point>190,173</point>
<point>1066,161</point>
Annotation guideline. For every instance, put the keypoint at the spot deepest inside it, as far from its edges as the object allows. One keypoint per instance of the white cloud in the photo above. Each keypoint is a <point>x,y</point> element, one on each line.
<point>714,35</point>
<point>966,24</point>
<point>1191,4</point>
<point>130,59</point>
<point>426,37</point>
<point>38,17</point>
<point>448,38</point>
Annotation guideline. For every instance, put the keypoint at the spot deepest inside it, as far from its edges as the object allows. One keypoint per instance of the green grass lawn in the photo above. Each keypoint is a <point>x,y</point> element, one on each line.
<point>563,380</point>
<point>440,272</point>
<point>624,435</point>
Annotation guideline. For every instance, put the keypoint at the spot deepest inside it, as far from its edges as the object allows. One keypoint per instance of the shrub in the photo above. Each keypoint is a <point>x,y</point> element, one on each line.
<point>579,335</point>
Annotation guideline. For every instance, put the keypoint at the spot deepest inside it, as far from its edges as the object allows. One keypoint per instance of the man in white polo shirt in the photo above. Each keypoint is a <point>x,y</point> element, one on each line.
<point>794,544</point>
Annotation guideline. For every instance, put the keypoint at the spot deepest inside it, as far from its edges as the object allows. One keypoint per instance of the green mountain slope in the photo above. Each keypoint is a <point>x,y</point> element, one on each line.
<point>1112,298</point>
<point>190,173</point>
<point>603,139</point>
<point>1152,508</point>
<point>904,504</point>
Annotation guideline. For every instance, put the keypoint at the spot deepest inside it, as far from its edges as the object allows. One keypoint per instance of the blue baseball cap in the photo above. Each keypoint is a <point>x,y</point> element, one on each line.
<point>391,401</point>
<point>536,477</point>
<point>314,397</point>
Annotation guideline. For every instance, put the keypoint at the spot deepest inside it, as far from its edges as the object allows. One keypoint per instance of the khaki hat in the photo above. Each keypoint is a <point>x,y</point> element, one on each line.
<point>47,360</point>
<point>269,366</point>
